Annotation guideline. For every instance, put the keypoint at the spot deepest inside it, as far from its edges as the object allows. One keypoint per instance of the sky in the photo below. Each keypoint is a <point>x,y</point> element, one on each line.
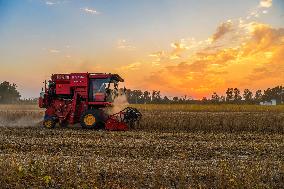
<point>180,47</point>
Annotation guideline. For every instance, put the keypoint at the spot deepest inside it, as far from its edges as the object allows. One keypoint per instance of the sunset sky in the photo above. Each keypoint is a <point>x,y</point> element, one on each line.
<point>176,46</point>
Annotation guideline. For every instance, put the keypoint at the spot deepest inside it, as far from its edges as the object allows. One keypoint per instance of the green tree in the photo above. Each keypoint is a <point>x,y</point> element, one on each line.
<point>175,99</point>
<point>147,97</point>
<point>138,96</point>
<point>247,95</point>
<point>166,100</point>
<point>230,94</point>
<point>204,100</point>
<point>274,93</point>
<point>8,92</point>
<point>156,97</point>
<point>215,97</point>
<point>237,95</point>
<point>258,96</point>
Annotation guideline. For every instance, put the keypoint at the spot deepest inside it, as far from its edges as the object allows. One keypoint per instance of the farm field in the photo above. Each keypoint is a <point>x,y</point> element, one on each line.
<point>177,146</point>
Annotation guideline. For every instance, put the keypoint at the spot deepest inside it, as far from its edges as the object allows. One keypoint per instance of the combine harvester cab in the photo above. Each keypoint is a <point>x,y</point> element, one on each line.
<point>83,98</point>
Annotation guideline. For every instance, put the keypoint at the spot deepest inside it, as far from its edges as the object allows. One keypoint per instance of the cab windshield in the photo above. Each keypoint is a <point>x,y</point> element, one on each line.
<point>103,89</point>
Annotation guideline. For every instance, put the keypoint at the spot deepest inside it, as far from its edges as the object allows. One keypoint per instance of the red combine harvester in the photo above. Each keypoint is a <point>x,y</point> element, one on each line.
<point>83,98</point>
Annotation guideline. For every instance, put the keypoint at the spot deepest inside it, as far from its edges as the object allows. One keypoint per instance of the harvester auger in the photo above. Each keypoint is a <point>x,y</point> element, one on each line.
<point>83,98</point>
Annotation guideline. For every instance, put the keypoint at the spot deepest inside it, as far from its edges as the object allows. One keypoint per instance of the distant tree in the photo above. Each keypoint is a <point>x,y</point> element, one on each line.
<point>248,96</point>
<point>274,93</point>
<point>147,97</point>
<point>204,100</point>
<point>175,99</point>
<point>230,94</point>
<point>138,94</point>
<point>128,94</point>
<point>237,95</point>
<point>222,99</point>
<point>166,100</point>
<point>233,95</point>
<point>8,92</point>
<point>215,98</point>
<point>267,95</point>
<point>156,97</point>
<point>258,96</point>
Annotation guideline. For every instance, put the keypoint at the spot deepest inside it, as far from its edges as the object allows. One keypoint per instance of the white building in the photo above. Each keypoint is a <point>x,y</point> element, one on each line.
<point>269,103</point>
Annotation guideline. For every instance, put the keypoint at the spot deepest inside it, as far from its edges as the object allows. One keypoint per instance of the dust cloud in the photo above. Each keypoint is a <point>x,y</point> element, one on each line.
<point>20,119</point>
<point>21,122</point>
<point>120,102</point>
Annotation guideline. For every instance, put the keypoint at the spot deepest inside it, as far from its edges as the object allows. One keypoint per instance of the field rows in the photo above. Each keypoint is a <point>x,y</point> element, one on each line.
<point>75,157</point>
<point>177,107</point>
<point>171,120</point>
<point>213,121</point>
<point>208,108</point>
<point>170,148</point>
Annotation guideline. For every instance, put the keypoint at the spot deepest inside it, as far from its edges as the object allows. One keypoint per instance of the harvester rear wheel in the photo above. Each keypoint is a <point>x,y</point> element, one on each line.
<point>91,119</point>
<point>49,123</point>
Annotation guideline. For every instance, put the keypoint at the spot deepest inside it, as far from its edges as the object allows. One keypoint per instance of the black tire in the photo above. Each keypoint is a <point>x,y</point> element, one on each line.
<point>63,124</point>
<point>49,123</point>
<point>92,119</point>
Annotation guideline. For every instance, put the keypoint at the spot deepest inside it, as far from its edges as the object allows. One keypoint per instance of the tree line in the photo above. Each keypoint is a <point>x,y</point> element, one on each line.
<point>10,94</point>
<point>232,96</point>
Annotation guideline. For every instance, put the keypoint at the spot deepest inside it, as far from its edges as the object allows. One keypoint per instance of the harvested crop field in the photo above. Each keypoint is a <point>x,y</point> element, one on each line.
<point>173,147</point>
<point>176,118</point>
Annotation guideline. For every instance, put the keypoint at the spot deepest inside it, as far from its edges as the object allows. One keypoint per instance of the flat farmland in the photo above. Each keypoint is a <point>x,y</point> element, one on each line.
<point>174,146</point>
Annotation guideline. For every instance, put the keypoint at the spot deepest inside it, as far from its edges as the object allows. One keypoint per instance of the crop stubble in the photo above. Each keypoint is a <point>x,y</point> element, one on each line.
<point>170,148</point>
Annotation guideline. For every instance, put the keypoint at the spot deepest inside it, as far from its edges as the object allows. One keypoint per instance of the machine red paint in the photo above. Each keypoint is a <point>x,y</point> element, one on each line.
<point>82,98</point>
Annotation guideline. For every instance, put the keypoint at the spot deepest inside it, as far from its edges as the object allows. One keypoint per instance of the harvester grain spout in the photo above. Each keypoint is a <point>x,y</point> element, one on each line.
<point>82,98</point>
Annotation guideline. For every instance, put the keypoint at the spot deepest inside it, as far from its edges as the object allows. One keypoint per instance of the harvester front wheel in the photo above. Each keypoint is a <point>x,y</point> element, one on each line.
<point>91,119</point>
<point>49,123</point>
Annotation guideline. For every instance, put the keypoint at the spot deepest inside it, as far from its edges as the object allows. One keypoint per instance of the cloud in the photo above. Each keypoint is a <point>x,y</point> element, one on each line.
<point>132,66</point>
<point>265,3</point>
<point>223,29</point>
<point>90,11</point>
<point>176,53</point>
<point>50,3</point>
<point>124,44</point>
<point>251,54</point>
<point>179,48</point>
<point>158,54</point>
<point>53,51</point>
<point>260,10</point>
<point>179,45</point>
<point>268,46</point>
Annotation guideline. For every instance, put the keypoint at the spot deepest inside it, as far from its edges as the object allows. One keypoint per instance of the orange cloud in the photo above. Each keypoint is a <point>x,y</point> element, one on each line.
<point>257,58</point>
<point>222,30</point>
<point>131,66</point>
